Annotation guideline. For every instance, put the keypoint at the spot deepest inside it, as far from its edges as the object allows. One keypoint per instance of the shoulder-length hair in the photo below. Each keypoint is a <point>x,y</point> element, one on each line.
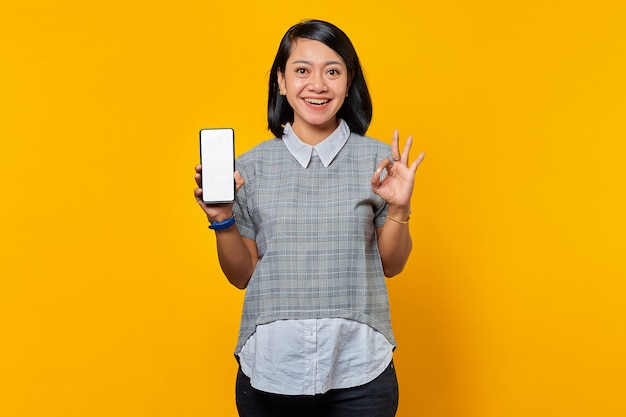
<point>357,107</point>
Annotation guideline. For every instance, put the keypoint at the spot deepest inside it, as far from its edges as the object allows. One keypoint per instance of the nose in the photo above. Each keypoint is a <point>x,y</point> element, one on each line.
<point>318,84</point>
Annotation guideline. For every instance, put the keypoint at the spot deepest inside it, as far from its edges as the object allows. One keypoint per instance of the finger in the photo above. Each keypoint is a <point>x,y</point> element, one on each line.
<point>198,176</point>
<point>383,165</point>
<point>239,181</point>
<point>395,149</point>
<point>375,180</point>
<point>407,150</point>
<point>417,162</point>
<point>197,192</point>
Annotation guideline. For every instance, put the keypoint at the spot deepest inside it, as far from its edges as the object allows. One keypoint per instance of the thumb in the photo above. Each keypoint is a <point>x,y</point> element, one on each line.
<point>239,181</point>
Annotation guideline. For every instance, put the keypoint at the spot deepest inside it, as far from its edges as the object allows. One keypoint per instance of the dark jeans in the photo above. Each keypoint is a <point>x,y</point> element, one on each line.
<point>378,398</point>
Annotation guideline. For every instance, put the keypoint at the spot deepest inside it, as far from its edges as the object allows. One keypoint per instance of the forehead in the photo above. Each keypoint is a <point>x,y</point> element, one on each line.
<point>313,51</point>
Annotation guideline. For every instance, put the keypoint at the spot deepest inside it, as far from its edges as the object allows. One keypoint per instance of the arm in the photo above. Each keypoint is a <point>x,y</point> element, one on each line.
<point>394,244</point>
<point>237,255</point>
<point>394,238</point>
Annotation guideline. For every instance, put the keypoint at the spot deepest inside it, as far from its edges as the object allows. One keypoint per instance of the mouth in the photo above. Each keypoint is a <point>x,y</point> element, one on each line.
<point>316,101</point>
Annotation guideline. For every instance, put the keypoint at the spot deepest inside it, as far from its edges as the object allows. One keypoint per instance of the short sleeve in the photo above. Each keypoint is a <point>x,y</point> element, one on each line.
<point>243,203</point>
<point>380,214</point>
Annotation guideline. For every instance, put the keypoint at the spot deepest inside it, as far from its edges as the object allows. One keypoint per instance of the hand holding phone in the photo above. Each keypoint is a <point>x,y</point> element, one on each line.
<point>217,156</point>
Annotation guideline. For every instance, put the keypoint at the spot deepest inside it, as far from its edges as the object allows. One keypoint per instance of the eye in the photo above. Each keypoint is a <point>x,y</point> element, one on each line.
<point>333,72</point>
<point>301,71</point>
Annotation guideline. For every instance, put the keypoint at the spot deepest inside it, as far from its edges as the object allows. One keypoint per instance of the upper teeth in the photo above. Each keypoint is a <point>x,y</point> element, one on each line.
<point>315,101</point>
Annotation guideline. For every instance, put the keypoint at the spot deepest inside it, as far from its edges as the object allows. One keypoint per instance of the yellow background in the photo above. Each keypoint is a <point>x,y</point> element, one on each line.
<point>111,300</point>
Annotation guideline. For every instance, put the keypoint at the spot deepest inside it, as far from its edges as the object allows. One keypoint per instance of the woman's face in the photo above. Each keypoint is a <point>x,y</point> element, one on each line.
<point>315,82</point>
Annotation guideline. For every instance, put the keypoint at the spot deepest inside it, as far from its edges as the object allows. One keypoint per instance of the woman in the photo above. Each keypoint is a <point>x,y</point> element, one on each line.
<point>320,218</point>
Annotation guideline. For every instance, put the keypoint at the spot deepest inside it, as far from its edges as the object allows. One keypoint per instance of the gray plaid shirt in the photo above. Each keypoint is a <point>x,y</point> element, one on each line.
<point>315,230</point>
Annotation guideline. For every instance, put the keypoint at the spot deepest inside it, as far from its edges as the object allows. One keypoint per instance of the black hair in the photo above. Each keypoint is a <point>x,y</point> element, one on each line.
<point>357,107</point>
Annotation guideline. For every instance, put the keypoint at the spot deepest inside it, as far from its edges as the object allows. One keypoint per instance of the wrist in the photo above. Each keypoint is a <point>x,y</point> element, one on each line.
<point>398,212</point>
<point>220,217</point>
<point>223,224</point>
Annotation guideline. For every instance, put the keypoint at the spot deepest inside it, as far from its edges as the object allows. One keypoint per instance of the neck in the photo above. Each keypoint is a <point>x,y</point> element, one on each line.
<point>312,135</point>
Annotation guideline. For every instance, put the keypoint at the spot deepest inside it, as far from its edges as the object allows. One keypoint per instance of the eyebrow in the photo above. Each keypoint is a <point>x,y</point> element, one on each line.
<point>303,61</point>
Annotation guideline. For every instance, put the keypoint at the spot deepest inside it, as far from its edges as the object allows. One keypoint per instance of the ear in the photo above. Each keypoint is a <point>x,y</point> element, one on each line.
<point>281,83</point>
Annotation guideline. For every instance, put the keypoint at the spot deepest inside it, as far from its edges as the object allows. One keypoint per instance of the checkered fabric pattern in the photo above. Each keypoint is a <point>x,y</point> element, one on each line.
<point>315,230</point>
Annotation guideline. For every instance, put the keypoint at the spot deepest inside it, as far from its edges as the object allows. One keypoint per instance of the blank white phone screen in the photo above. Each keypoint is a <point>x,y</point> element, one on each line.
<point>217,156</point>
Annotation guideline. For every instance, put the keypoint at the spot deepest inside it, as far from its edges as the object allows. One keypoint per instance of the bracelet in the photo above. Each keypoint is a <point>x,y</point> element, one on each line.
<point>400,221</point>
<point>224,224</point>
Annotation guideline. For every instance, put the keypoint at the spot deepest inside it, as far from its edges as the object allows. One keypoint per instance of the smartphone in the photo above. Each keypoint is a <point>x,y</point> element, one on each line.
<point>217,156</point>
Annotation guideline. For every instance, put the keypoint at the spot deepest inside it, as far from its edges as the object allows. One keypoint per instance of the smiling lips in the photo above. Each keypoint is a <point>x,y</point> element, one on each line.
<point>316,101</point>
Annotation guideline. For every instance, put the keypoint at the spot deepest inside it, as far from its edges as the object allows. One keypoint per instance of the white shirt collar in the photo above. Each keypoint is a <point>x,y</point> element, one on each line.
<point>326,149</point>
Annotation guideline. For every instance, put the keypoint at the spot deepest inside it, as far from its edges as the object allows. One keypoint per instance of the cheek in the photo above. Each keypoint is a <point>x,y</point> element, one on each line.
<point>299,83</point>
<point>342,90</point>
